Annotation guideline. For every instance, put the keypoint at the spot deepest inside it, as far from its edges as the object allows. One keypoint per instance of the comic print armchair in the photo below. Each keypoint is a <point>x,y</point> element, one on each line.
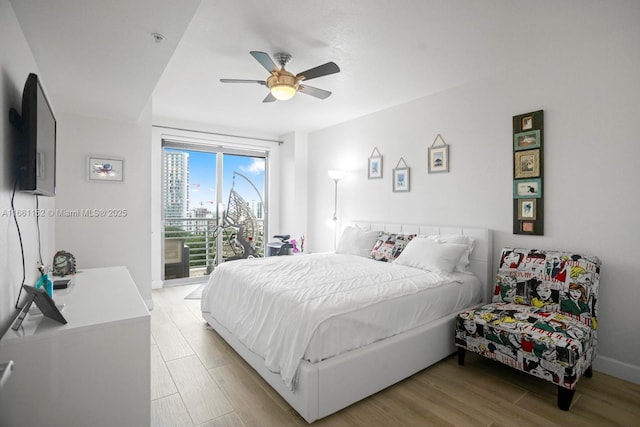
<point>542,320</point>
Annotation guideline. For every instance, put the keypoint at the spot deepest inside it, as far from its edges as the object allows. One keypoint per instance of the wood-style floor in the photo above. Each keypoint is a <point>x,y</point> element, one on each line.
<point>198,380</point>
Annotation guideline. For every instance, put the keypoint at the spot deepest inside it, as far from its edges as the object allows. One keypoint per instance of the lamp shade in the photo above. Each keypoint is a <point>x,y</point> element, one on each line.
<point>336,174</point>
<point>282,92</point>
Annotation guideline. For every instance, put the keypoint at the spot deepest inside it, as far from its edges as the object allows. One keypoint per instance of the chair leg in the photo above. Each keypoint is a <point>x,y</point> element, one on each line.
<point>589,372</point>
<point>564,398</point>
<point>461,353</point>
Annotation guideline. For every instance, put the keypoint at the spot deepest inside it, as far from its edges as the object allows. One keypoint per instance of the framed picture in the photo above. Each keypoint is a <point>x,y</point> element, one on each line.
<point>527,227</point>
<point>527,164</point>
<point>105,169</point>
<point>375,165</point>
<point>527,122</point>
<point>527,188</point>
<point>438,156</point>
<point>526,140</point>
<point>439,159</point>
<point>527,209</point>
<point>401,179</point>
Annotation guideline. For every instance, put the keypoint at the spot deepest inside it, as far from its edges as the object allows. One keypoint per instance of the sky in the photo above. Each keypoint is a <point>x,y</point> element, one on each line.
<point>202,177</point>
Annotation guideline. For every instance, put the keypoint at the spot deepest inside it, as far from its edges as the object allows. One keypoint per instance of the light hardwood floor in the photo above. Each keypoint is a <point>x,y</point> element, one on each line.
<point>198,380</point>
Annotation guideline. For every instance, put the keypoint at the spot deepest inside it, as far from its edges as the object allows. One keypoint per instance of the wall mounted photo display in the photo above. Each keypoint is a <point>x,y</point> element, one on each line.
<point>105,169</point>
<point>528,173</point>
<point>438,156</point>
<point>375,164</point>
<point>527,164</point>
<point>401,176</point>
<point>526,140</point>
<point>527,188</point>
<point>527,209</point>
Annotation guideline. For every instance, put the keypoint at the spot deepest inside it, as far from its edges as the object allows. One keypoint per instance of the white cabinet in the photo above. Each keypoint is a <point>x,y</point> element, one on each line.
<point>93,371</point>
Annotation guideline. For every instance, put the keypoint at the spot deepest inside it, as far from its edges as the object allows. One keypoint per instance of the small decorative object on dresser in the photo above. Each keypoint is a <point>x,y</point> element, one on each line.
<point>543,319</point>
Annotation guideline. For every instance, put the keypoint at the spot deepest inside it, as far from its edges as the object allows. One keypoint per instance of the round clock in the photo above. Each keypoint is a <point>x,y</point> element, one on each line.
<point>64,263</point>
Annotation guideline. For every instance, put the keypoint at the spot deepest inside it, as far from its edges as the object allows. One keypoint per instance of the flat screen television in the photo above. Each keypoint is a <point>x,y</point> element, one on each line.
<point>36,149</point>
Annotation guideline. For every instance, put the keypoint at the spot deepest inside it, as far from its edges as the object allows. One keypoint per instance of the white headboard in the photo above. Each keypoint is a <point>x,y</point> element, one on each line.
<point>481,263</point>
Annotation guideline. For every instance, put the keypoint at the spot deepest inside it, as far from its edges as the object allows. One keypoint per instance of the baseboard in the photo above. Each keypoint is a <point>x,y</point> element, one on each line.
<point>616,368</point>
<point>156,284</point>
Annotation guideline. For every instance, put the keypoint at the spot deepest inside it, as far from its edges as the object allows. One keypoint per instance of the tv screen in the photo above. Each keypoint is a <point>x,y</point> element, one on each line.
<point>36,152</point>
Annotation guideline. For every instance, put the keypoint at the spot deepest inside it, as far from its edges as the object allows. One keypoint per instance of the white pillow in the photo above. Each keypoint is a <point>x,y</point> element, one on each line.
<point>356,241</point>
<point>431,255</point>
<point>470,242</point>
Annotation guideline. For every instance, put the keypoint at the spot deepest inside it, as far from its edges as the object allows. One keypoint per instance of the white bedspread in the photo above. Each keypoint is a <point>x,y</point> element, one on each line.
<point>274,305</point>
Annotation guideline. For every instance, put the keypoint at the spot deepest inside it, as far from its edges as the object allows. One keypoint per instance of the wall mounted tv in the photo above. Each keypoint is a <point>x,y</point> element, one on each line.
<point>36,149</point>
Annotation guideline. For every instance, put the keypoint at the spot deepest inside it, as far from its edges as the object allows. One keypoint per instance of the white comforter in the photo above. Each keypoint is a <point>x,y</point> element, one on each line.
<point>274,305</point>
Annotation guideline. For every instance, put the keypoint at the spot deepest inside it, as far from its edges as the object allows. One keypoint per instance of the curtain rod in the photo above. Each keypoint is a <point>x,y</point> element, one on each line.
<point>220,134</point>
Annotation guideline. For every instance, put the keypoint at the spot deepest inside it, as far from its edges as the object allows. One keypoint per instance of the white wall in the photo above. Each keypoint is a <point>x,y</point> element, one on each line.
<point>16,62</point>
<point>293,185</point>
<point>591,98</point>
<point>109,240</point>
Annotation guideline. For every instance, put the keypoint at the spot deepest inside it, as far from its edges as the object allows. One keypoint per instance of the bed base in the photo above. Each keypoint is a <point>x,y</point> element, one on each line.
<point>328,386</point>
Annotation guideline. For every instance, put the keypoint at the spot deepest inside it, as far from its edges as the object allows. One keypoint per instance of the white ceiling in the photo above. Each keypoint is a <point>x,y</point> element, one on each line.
<point>98,57</point>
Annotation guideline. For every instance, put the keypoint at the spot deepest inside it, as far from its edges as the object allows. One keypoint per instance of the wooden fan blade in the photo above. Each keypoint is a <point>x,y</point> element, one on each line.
<point>269,98</point>
<point>265,60</point>
<point>314,91</point>
<point>319,71</point>
<point>260,82</point>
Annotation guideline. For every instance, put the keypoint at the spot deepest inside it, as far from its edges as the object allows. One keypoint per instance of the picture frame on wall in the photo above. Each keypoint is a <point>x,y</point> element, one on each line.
<point>527,209</point>
<point>526,140</point>
<point>375,165</point>
<point>527,227</point>
<point>527,164</point>
<point>105,169</point>
<point>527,188</point>
<point>526,122</point>
<point>438,156</point>
<point>401,177</point>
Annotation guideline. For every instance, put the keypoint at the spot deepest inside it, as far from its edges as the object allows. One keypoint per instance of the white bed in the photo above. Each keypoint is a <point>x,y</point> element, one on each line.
<point>317,376</point>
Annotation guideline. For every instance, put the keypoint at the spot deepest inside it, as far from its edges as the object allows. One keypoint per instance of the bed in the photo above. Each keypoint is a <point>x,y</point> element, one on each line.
<point>317,371</point>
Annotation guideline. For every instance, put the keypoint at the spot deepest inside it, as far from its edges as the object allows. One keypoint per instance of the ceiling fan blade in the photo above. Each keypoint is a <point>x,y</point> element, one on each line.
<point>319,71</point>
<point>260,82</point>
<point>269,98</point>
<point>314,91</point>
<point>265,60</point>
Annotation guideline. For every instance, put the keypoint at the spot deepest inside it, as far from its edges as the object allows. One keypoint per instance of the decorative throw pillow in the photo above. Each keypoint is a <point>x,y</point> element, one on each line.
<point>357,241</point>
<point>389,246</point>
<point>431,255</point>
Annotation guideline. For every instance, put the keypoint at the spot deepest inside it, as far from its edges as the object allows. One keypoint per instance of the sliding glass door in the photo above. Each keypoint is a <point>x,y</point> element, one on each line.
<point>213,208</point>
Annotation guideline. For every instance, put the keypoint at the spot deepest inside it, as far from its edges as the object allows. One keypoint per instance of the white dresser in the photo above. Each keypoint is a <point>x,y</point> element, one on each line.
<point>93,371</point>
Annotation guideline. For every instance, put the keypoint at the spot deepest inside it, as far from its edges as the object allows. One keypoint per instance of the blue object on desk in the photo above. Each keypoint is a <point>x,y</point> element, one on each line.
<point>46,283</point>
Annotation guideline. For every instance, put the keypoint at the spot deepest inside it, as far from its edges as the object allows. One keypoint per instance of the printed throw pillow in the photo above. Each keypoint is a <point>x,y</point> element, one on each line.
<point>389,246</point>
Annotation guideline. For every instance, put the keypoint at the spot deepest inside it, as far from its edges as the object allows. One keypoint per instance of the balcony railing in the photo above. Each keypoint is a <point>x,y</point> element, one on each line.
<point>190,245</point>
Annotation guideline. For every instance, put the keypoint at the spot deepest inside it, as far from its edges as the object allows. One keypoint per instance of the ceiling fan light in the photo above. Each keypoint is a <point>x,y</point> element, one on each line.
<point>282,92</point>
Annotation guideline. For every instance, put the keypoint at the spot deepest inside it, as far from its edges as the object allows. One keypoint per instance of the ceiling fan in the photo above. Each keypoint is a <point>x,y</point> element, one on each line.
<point>282,84</point>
